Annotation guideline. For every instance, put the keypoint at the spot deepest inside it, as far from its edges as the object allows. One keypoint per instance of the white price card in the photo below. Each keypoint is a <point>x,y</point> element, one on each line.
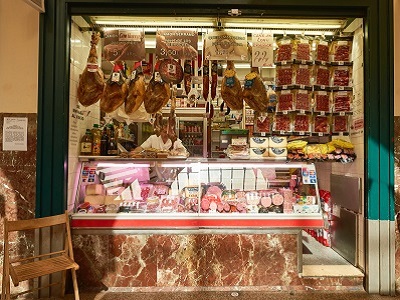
<point>15,131</point>
<point>262,50</point>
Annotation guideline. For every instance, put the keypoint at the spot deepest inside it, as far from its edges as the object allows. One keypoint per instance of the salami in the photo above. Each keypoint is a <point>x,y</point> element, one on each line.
<point>187,76</point>
<point>214,78</point>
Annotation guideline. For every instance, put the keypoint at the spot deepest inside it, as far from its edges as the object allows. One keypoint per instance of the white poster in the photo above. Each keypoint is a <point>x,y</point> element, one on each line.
<point>262,50</point>
<point>15,131</point>
<point>224,45</point>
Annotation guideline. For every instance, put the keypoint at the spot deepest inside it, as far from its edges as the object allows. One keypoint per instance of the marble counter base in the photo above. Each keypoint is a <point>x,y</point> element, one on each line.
<point>192,262</point>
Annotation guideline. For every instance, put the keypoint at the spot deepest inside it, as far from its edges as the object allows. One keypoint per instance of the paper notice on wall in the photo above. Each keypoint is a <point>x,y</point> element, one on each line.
<point>15,131</point>
<point>224,45</point>
<point>262,50</point>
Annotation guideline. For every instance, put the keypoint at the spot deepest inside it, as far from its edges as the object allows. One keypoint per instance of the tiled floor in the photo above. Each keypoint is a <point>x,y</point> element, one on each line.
<point>231,296</point>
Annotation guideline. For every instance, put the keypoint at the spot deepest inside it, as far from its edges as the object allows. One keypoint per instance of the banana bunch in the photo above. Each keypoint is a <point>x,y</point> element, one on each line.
<point>339,143</point>
<point>296,145</point>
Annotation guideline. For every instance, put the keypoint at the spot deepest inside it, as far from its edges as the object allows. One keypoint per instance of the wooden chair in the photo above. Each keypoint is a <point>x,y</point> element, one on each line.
<point>35,266</point>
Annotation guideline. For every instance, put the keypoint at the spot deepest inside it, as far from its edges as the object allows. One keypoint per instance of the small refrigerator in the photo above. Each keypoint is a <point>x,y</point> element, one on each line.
<point>191,127</point>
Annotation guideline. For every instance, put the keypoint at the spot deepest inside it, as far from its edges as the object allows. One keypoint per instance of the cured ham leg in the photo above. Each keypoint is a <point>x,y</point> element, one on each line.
<point>137,90</point>
<point>157,94</point>
<point>254,91</point>
<point>91,82</point>
<point>231,90</point>
<point>115,91</point>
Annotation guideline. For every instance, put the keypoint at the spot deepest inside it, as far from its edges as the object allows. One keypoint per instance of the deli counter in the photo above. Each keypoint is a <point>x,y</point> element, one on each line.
<point>177,193</point>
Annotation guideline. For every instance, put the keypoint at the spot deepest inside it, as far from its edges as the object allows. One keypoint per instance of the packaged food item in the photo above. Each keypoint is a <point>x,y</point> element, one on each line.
<point>321,49</point>
<point>321,124</point>
<point>302,48</point>
<point>302,123</point>
<point>285,49</point>
<point>302,74</point>
<point>277,152</point>
<point>263,123</point>
<point>341,49</point>
<point>342,100</point>
<point>341,75</point>
<point>285,74</point>
<point>322,100</point>
<point>160,189</point>
<point>340,124</point>
<point>282,123</point>
<point>153,204</point>
<point>169,203</point>
<point>321,75</point>
<point>285,100</point>
<point>277,141</point>
<point>258,152</point>
<point>258,142</point>
<point>302,99</point>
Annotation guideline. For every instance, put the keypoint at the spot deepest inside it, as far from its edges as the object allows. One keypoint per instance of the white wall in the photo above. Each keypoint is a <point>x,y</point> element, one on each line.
<point>19,50</point>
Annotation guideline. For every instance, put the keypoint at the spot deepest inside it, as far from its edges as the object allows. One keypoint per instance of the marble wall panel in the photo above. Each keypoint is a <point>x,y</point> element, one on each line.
<point>18,186</point>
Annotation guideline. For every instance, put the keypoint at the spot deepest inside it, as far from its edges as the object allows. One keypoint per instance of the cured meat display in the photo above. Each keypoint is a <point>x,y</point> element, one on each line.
<point>91,82</point>
<point>231,90</point>
<point>187,75</point>
<point>157,94</point>
<point>254,92</point>
<point>137,90</point>
<point>115,91</point>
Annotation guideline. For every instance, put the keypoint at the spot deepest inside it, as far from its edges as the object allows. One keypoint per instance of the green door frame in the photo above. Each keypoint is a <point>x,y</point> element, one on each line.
<point>53,102</point>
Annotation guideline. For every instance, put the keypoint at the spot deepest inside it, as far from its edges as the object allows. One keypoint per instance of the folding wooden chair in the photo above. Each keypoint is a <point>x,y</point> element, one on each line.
<point>35,266</point>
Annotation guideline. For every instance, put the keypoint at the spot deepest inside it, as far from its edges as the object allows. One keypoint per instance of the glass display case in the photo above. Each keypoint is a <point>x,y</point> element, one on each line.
<point>195,193</point>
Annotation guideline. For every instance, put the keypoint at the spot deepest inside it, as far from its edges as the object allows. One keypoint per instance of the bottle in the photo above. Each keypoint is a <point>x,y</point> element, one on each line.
<point>86,143</point>
<point>112,143</point>
<point>96,136</point>
<point>104,142</point>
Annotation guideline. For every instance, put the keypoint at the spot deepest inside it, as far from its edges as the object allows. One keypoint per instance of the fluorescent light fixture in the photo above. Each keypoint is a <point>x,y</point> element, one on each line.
<point>124,165</point>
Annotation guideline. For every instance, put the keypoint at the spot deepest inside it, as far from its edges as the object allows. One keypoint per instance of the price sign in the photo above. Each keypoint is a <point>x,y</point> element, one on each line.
<point>262,50</point>
<point>179,44</point>
<point>224,45</point>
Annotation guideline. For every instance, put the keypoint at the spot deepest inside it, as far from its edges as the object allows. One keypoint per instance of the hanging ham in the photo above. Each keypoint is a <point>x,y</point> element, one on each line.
<point>115,90</point>
<point>91,82</point>
<point>137,90</point>
<point>157,93</point>
<point>231,90</point>
<point>254,91</point>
